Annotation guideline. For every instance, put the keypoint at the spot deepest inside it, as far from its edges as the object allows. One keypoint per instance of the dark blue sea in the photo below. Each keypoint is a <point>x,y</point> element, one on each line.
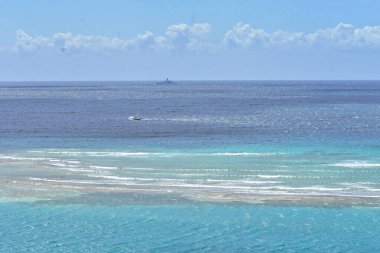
<point>213,166</point>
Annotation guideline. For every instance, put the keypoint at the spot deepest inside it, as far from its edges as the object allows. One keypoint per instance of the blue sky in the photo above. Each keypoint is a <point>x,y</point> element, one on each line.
<point>198,39</point>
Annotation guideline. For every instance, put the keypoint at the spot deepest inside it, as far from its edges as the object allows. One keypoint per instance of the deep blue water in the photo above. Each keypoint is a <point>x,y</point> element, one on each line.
<point>253,166</point>
<point>216,112</point>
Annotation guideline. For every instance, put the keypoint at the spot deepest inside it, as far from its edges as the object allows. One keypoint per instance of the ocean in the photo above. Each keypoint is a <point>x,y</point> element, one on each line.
<point>213,166</point>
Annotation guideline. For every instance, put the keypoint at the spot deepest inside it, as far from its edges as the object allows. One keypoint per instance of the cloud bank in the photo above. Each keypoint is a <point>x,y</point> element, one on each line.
<point>343,36</point>
<point>180,36</point>
<point>69,41</point>
<point>197,37</point>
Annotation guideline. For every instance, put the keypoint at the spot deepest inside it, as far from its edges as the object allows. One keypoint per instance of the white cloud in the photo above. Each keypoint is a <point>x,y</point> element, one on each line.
<point>192,31</point>
<point>195,37</point>
<point>347,36</point>
<point>69,41</point>
<point>177,36</point>
<point>243,35</point>
<point>343,36</point>
<point>186,36</point>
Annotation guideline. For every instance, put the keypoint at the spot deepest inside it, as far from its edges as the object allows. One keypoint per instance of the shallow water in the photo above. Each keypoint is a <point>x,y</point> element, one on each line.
<point>210,175</point>
<point>185,228</point>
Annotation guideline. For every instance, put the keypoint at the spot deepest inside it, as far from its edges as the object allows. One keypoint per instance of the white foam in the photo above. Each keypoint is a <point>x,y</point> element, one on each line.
<point>103,167</point>
<point>134,178</point>
<point>357,183</point>
<point>274,176</point>
<point>364,186</point>
<point>73,162</point>
<point>356,164</point>
<point>78,170</point>
<point>176,184</point>
<point>305,188</point>
<point>184,183</point>
<point>145,154</point>
<point>142,169</point>
<point>189,187</point>
<point>58,164</point>
<point>240,181</point>
<point>372,189</point>
<point>243,154</point>
<point>62,181</point>
<point>54,160</point>
<point>19,158</point>
<point>100,154</point>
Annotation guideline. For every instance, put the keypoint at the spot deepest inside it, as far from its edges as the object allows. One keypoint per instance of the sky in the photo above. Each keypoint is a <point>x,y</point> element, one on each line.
<point>56,40</point>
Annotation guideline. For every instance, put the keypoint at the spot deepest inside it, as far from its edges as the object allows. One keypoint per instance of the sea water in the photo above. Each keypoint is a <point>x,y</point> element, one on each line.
<point>224,166</point>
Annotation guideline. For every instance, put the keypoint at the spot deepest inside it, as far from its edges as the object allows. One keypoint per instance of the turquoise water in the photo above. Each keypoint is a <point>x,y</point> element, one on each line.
<point>187,228</point>
<point>318,175</point>
<point>212,167</point>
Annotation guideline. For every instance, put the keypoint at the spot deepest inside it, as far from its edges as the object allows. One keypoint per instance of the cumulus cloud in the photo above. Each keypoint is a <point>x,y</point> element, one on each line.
<point>186,36</point>
<point>69,41</point>
<point>182,36</point>
<point>347,36</point>
<point>343,36</point>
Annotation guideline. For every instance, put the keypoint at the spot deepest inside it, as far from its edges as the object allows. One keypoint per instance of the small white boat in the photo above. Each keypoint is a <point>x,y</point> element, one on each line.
<point>135,117</point>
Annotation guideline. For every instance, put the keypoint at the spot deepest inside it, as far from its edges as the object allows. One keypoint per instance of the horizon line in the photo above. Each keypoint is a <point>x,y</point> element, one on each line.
<point>187,80</point>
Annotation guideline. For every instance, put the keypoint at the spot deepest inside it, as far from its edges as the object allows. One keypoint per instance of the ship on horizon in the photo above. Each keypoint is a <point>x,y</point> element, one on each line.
<point>167,81</point>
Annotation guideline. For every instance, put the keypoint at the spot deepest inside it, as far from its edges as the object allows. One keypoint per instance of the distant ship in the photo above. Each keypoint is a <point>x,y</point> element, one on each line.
<point>167,81</point>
